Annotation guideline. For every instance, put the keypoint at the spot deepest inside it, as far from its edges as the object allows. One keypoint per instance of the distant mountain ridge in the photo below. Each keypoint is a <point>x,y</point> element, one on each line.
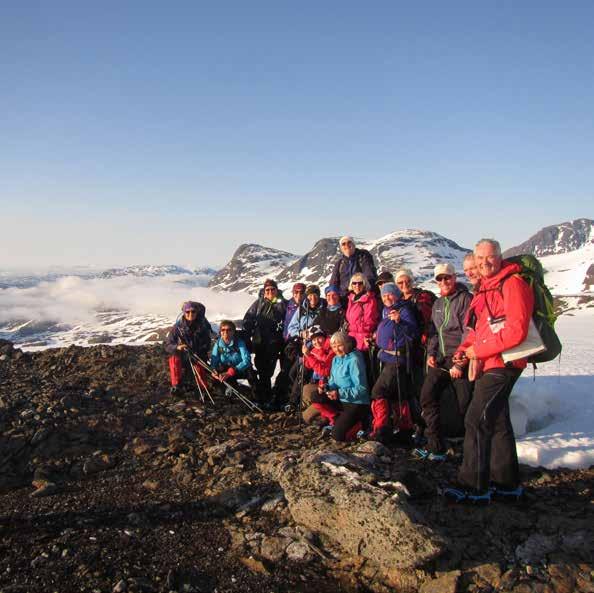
<point>416,249</point>
<point>557,238</point>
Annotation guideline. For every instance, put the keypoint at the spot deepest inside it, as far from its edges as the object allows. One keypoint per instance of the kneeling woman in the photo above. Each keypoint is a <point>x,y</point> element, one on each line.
<point>345,401</point>
<point>230,358</point>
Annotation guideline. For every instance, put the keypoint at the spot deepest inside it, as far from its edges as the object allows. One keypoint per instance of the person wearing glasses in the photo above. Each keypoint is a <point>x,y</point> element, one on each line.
<point>362,314</point>
<point>263,325</point>
<point>190,335</point>
<point>230,358</point>
<point>448,327</point>
<point>352,261</point>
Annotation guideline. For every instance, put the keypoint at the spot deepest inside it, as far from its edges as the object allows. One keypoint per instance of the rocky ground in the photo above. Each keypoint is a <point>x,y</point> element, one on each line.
<point>109,484</point>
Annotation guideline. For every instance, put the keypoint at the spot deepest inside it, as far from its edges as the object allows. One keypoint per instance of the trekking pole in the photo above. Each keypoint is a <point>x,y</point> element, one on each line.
<point>195,376</point>
<point>245,400</point>
<point>398,391</point>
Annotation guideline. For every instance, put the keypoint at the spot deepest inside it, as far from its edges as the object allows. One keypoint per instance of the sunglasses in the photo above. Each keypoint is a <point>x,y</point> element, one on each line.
<point>357,283</point>
<point>226,329</point>
<point>443,278</point>
<point>191,312</point>
<point>269,289</point>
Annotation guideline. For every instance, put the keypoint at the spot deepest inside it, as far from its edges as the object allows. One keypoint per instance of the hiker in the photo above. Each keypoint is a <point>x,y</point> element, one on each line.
<point>317,358</point>
<point>303,319</point>
<point>395,335</point>
<point>263,324</point>
<point>351,261</point>
<point>445,336</point>
<point>298,294</point>
<point>498,317</point>
<point>471,271</point>
<point>362,314</point>
<point>230,359</point>
<point>383,278</point>
<point>190,335</point>
<point>344,401</point>
<point>331,317</point>
<point>423,304</point>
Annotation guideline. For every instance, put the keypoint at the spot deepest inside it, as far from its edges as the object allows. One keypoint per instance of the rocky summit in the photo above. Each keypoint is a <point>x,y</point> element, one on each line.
<point>109,484</point>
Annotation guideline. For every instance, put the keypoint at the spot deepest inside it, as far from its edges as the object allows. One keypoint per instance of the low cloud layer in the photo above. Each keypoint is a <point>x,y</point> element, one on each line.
<point>75,300</point>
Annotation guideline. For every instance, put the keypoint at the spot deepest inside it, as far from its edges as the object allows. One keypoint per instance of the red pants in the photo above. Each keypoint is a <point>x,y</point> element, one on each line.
<point>176,370</point>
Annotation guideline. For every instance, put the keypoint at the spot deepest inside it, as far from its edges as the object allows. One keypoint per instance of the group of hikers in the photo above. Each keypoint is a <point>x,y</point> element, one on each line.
<point>374,357</point>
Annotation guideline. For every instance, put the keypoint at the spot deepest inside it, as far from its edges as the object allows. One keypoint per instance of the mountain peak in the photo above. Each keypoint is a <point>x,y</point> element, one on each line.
<point>557,238</point>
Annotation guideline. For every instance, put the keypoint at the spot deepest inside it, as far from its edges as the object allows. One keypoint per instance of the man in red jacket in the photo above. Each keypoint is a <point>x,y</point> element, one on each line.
<point>498,320</point>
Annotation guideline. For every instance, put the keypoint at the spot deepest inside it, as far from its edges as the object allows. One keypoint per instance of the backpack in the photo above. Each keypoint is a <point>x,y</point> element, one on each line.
<point>544,316</point>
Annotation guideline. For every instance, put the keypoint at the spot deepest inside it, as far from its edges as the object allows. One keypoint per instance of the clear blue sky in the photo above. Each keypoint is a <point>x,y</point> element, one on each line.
<point>152,132</point>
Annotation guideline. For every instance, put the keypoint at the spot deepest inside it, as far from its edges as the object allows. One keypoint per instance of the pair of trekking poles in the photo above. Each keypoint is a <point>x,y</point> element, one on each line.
<point>203,389</point>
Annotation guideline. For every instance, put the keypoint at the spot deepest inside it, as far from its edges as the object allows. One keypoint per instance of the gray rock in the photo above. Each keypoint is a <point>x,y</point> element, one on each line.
<point>535,549</point>
<point>299,552</point>
<point>273,548</point>
<point>330,493</point>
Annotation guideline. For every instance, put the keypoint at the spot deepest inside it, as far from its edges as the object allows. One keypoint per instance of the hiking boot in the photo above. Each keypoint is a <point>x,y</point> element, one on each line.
<point>327,430</point>
<point>507,494</point>
<point>427,455</point>
<point>460,495</point>
<point>289,409</point>
<point>174,390</point>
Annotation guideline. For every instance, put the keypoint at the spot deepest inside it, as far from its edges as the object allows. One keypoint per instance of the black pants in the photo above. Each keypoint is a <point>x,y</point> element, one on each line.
<point>348,415</point>
<point>266,357</point>
<point>489,444</point>
<point>436,381</point>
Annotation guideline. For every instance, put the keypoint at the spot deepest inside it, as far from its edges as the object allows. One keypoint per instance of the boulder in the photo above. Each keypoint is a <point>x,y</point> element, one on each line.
<point>332,494</point>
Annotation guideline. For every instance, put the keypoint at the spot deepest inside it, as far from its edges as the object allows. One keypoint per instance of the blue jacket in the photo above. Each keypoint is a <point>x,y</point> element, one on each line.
<point>235,354</point>
<point>304,318</point>
<point>349,377</point>
<point>391,336</point>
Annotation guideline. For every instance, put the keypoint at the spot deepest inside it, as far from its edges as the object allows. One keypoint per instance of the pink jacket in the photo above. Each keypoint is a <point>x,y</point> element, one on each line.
<point>362,315</point>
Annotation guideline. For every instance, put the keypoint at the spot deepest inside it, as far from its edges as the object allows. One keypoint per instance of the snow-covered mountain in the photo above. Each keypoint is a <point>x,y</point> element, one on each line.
<point>250,265</point>
<point>414,249</point>
<point>557,238</point>
<point>154,271</point>
<point>566,252</point>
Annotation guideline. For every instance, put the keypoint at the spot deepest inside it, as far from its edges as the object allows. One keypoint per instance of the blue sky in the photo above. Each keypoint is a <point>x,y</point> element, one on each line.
<point>145,132</point>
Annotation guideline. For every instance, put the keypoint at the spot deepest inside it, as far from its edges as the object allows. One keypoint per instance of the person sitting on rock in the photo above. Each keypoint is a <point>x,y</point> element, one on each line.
<point>351,261</point>
<point>317,358</point>
<point>189,336</point>
<point>448,327</point>
<point>395,335</point>
<point>344,401</point>
<point>230,358</point>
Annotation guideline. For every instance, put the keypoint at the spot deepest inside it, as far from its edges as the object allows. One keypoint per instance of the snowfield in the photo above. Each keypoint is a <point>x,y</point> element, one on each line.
<point>553,414</point>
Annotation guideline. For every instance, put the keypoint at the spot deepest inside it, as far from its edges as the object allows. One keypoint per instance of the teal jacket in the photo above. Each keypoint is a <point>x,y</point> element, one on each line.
<point>349,377</point>
<point>235,354</point>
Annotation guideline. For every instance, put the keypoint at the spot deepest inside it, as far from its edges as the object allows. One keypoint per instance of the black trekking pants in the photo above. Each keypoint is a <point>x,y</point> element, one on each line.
<point>348,415</point>
<point>265,359</point>
<point>489,444</point>
<point>436,382</point>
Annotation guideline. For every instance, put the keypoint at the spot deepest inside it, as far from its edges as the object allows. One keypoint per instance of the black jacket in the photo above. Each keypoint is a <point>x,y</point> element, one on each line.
<point>264,320</point>
<point>361,261</point>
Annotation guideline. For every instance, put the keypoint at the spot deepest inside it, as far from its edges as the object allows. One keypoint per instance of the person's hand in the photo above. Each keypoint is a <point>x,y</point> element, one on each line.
<point>456,373</point>
<point>333,394</point>
<point>304,350</point>
<point>432,362</point>
<point>394,316</point>
<point>321,389</point>
<point>215,375</point>
<point>182,347</point>
<point>470,353</point>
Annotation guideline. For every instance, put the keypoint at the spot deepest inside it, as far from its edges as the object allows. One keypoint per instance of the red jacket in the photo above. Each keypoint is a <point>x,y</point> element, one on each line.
<point>512,300</point>
<point>319,360</point>
<point>362,315</point>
